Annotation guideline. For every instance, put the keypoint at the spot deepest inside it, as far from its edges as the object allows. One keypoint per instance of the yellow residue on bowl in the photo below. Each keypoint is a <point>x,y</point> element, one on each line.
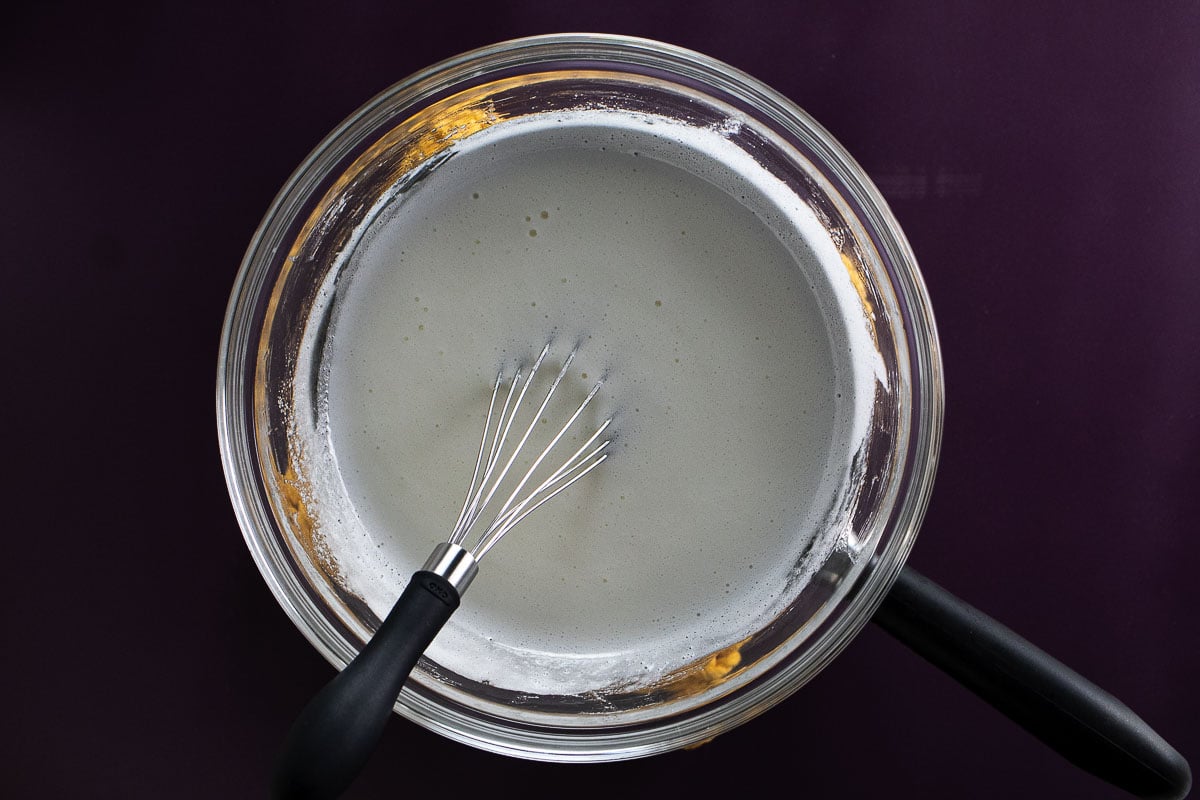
<point>860,286</point>
<point>292,496</point>
<point>702,675</point>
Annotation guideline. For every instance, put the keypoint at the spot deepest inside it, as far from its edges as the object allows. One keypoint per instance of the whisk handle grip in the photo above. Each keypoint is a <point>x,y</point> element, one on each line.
<point>336,732</point>
<point>1085,724</point>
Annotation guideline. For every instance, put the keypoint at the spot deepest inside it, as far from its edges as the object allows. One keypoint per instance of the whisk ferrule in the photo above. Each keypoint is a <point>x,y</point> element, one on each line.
<point>453,563</point>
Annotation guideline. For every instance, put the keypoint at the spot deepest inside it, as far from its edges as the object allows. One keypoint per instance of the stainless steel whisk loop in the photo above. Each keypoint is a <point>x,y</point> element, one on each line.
<point>484,486</point>
<point>454,560</point>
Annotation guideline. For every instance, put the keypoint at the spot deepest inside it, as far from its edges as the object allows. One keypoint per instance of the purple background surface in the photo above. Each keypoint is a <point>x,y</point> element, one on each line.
<point>1044,162</point>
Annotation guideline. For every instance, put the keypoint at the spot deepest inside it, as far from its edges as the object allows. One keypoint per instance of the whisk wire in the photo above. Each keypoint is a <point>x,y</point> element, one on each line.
<point>566,465</point>
<point>570,471</point>
<point>504,422</point>
<point>484,486</point>
<point>533,424</point>
<point>502,430</point>
<point>506,522</point>
<point>562,469</point>
<point>455,537</point>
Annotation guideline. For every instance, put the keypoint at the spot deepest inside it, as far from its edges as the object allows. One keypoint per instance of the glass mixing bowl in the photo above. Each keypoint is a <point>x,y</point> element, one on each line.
<point>272,407</point>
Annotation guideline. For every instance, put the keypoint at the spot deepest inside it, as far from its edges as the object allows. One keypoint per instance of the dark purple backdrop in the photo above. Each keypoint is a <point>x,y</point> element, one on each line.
<point>1045,165</point>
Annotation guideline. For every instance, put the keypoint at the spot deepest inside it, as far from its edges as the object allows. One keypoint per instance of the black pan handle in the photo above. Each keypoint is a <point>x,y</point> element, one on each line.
<point>336,732</point>
<point>1085,724</point>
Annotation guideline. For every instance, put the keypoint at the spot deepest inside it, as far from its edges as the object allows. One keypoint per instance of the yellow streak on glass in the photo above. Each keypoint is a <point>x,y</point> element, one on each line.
<point>292,491</point>
<point>702,675</point>
<point>860,286</point>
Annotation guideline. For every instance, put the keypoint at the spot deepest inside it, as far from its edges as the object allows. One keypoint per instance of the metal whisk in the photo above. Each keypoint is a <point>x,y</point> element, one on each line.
<point>513,511</point>
<point>337,731</point>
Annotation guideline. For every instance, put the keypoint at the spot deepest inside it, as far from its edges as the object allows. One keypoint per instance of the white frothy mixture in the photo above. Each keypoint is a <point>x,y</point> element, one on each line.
<point>718,310</point>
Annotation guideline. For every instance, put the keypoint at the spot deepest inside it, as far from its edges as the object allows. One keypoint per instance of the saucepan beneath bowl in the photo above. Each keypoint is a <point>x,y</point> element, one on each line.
<point>769,354</point>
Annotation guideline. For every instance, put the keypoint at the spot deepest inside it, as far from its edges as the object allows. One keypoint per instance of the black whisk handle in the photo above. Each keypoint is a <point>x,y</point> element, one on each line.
<point>336,732</point>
